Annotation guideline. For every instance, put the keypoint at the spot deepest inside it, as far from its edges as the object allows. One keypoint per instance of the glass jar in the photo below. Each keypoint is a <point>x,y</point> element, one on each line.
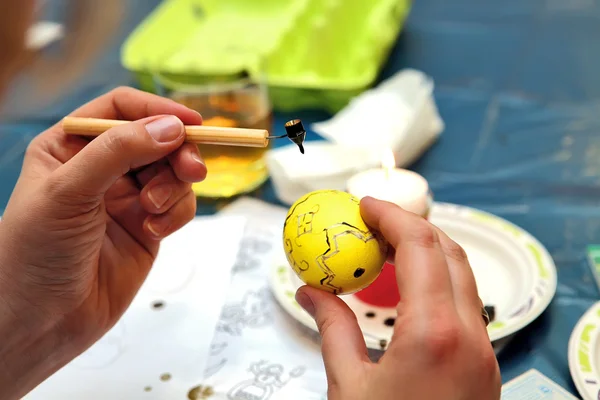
<point>228,101</point>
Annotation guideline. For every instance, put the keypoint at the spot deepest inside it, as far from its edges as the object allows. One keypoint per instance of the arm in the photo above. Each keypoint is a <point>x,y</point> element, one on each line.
<point>28,354</point>
<point>32,343</point>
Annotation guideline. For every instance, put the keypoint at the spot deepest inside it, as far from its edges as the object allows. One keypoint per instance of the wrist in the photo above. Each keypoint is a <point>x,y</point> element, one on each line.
<point>32,347</point>
<point>28,355</point>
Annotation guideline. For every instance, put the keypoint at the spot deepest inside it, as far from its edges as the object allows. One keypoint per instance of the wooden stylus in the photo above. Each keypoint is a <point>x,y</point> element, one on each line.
<point>198,134</point>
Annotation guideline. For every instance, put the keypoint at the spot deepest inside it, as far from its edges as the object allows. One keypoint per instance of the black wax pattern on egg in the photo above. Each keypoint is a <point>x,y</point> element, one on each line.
<point>358,273</point>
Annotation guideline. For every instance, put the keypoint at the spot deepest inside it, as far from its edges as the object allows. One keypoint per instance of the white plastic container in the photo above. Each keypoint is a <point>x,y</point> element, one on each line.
<point>323,166</point>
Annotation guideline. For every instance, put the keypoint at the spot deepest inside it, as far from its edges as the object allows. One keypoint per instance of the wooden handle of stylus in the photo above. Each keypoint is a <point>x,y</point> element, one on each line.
<point>199,134</point>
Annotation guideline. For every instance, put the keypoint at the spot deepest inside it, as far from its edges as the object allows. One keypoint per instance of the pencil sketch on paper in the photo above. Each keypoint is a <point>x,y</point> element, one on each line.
<point>267,379</point>
<point>216,350</point>
<point>253,311</point>
<point>254,245</point>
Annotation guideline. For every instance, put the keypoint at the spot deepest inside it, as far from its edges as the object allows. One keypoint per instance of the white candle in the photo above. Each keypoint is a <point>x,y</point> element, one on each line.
<point>405,188</point>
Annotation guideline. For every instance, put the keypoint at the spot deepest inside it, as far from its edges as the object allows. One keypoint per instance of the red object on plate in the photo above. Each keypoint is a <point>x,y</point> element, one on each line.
<point>383,292</point>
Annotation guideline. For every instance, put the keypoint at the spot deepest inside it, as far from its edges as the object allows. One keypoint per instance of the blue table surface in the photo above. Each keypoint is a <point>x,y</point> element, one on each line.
<point>518,86</point>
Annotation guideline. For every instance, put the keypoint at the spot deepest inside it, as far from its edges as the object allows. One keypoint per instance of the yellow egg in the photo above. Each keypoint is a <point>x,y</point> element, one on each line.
<point>328,244</point>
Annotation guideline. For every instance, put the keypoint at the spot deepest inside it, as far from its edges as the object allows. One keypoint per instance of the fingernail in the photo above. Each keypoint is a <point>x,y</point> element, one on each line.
<point>159,194</point>
<point>197,158</point>
<point>157,225</point>
<point>306,303</point>
<point>165,129</point>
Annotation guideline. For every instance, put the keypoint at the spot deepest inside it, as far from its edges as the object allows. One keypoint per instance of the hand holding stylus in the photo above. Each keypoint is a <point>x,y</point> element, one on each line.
<point>83,227</point>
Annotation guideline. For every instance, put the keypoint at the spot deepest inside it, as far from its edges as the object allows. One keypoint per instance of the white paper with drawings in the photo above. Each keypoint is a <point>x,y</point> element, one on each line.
<point>258,351</point>
<point>533,385</point>
<point>160,352</point>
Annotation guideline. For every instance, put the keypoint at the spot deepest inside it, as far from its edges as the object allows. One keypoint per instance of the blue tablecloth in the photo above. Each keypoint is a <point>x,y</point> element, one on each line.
<point>518,86</point>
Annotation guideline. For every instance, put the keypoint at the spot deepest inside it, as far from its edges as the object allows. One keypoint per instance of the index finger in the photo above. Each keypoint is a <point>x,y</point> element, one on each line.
<point>130,104</point>
<point>421,267</point>
<point>122,103</point>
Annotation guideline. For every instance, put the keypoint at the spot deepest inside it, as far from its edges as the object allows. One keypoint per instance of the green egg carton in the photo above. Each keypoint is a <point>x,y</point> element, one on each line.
<point>314,53</point>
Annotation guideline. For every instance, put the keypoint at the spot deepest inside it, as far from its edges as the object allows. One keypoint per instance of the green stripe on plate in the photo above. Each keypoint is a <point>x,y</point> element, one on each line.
<point>497,221</point>
<point>496,325</point>
<point>583,353</point>
<point>537,254</point>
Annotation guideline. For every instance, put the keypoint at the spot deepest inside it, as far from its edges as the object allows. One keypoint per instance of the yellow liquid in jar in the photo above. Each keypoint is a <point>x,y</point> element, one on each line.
<point>232,170</point>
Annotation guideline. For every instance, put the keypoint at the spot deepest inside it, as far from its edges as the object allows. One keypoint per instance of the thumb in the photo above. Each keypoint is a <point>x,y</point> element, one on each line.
<point>111,155</point>
<point>342,343</point>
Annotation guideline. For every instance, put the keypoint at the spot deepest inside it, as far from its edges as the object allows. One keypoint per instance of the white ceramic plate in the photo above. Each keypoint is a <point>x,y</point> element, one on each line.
<point>514,272</point>
<point>584,354</point>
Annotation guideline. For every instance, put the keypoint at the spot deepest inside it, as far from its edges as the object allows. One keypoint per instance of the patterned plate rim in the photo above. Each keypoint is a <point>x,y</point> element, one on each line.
<point>584,340</point>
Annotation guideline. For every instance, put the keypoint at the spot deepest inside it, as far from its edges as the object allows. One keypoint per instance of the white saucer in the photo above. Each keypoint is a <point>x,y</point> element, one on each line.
<point>584,354</point>
<point>514,272</point>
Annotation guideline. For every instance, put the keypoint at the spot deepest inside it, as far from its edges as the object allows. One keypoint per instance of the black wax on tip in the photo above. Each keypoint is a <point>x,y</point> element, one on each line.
<point>296,133</point>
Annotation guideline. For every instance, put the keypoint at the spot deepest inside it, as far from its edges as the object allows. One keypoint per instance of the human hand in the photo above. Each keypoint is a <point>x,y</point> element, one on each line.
<point>84,223</point>
<point>440,347</point>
